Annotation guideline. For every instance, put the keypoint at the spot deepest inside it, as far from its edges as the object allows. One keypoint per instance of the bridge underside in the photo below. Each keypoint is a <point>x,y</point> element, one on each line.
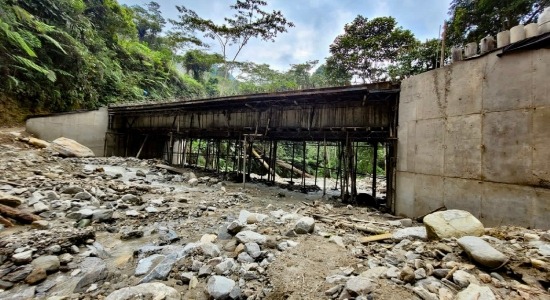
<point>265,134</point>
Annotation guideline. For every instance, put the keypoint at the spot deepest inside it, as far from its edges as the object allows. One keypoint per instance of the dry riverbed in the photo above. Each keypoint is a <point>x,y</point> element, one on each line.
<point>123,228</point>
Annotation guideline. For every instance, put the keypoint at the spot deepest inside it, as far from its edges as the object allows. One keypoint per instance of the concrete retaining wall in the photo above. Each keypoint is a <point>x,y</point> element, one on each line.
<point>87,128</point>
<point>476,136</point>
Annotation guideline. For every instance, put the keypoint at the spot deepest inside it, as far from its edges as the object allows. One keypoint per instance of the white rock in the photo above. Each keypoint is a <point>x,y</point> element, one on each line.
<point>154,290</point>
<point>219,287</point>
<point>452,223</point>
<point>248,236</point>
<point>482,252</point>
<point>304,225</point>
<point>70,148</point>
<point>410,233</point>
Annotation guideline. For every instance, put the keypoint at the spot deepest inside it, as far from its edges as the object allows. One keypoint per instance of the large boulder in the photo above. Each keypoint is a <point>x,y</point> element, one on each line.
<point>145,291</point>
<point>482,252</point>
<point>70,148</point>
<point>452,223</point>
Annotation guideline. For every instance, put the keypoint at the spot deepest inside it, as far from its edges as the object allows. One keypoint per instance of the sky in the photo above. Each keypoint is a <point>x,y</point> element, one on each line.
<point>317,23</point>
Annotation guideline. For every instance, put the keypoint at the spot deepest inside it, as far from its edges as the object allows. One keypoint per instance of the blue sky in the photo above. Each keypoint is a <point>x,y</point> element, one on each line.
<point>317,23</point>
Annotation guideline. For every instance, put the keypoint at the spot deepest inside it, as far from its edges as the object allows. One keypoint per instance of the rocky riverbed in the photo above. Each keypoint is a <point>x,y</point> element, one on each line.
<point>123,228</point>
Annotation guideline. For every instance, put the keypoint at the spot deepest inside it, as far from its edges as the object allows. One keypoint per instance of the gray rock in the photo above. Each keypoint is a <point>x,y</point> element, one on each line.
<point>374,273</point>
<point>132,213</point>
<point>186,277</point>
<point>128,234</point>
<point>244,257</point>
<point>475,291</point>
<point>234,227</point>
<point>482,252</point>
<point>424,294</point>
<point>359,286</point>
<point>162,270</point>
<point>93,270</point>
<point>248,236</point>
<point>40,224</point>
<point>219,287</point>
<point>85,213</point>
<point>452,223</point>
<point>72,190</point>
<point>253,250</point>
<point>50,263</point>
<point>151,210</point>
<point>40,207</point>
<point>23,292</point>
<point>410,233</point>
<point>140,173</point>
<point>132,199</point>
<point>193,182</point>
<point>462,278</point>
<point>304,225</point>
<point>145,265</point>
<point>83,196</point>
<point>65,258</point>
<point>225,267</point>
<point>145,291</point>
<point>22,257</point>
<point>406,222</point>
<point>102,215</point>
<point>210,249</point>
<point>18,274</point>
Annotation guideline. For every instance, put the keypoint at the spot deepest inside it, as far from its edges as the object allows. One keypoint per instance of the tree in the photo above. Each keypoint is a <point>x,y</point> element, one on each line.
<point>326,76</point>
<point>198,62</point>
<point>149,23</point>
<point>472,20</point>
<point>417,58</point>
<point>250,21</point>
<point>367,47</point>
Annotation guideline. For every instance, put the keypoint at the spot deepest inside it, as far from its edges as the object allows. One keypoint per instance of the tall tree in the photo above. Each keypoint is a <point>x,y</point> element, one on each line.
<point>368,47</point>
<point>249,22</point>
<point>198,62</point>
<point>149,23</point>
<point>472,20</point>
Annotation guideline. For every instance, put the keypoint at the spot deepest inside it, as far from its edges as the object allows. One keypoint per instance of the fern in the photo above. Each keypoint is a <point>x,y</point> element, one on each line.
<point>29,64</point>
<point>54,42</point>
<point>16,39</point>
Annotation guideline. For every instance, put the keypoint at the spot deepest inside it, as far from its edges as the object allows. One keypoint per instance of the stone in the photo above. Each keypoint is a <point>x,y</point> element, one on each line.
<point>38,142</point>
<point>9,200</point>
<point>18,274</point>
<point>5,285</point>
<point>407,275</point>
<point>304,225</point>
<point>132,213</point>
<point>210,249</point>
<point>154,290</point>
<point>72,190</point>
<point>36,276</point>
<point>406,222</point>
<point>359,286</point>
<point>475,291</point>
<point>40,207</point>
<point>151,210</point>
<point>93,269</point>
<point>50,263</point>
<point>140,173</point>
<point>193,182</point>
<point>186,277</point>
<point>234,227</point>
<point>410,233</point>
<point>22,257</point>
<point>65,258</point>
<point>208,238</point>
<point>83,196</point>
<point>462,278</point>
<point>219,287</point>
<point>132,199</point>
<point>225,267</point>
<point>40,224</point>
<point>70,148</point>
<point>337,240</point>
<point>420,274</point>
<point>452,223</point>
<point>248,236</point>
<point>102,215</point>
<point>245,258</point>
<point>129,234</point>
<point>482,252</point>
<point>374,273</point>
<point>145,265</point>
<point>253,250</point>
<point>424,294</point>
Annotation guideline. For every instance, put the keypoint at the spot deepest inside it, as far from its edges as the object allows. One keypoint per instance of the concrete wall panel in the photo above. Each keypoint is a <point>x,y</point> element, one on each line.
<point>541,146</point>
<point>463,194</point>
<point>403,134</point>
<point>429,141</point>
<point>463,147</point>
<point>541,209</point>
<point>405,193</point>
<point>431,101</point>
<point>508,84</point>
<point>508,152</point>
<point>541,92</point>
<point>87,128</point>
<point>504,204</point>
<point>465,88</point>
<point>428,194</point>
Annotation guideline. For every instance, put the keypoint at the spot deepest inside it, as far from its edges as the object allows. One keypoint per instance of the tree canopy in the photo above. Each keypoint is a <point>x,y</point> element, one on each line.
<point>472,20</point>
<point>368,47</point>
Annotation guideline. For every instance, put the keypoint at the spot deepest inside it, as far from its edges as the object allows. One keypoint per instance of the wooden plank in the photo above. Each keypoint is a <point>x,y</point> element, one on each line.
<point>375,238</point>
